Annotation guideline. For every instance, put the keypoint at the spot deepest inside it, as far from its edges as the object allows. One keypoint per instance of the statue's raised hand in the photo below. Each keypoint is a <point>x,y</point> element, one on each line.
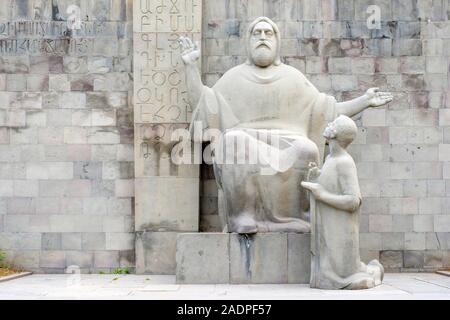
<point>375,98</point>
<point>190,52</point>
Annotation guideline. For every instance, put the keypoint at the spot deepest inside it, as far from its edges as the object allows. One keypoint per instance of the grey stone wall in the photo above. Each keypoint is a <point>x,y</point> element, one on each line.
<point>66,127</point>
<point>66,135</point>
<point>403,151</point>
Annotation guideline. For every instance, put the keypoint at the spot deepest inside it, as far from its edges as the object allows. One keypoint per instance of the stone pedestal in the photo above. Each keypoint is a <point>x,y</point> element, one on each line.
<point>155,252</point>
<point>221,258</point>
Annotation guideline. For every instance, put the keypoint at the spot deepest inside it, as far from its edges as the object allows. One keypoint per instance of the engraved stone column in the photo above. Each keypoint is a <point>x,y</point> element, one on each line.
<point>167,195</point>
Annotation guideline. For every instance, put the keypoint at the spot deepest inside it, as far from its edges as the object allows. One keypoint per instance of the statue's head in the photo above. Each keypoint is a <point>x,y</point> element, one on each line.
<point>263,43</point>
<point>343,129</point>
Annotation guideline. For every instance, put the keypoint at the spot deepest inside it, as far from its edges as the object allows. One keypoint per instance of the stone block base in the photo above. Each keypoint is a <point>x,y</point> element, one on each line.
<point>220,258</point>
<point>155,252</point>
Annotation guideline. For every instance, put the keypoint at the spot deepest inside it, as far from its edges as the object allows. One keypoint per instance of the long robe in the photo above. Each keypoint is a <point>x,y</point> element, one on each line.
<point>286,100</point>
<point>335,257</point>
<point>279,100</point>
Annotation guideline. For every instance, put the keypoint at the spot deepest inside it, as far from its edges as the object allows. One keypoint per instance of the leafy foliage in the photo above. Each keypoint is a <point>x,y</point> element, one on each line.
<point>121,271</point>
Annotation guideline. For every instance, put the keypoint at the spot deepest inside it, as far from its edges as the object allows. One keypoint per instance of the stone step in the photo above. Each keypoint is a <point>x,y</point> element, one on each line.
<point>222,258</point>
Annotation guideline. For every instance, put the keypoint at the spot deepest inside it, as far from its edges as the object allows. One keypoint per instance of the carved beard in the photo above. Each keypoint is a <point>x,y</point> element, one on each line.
<point>263,56</point>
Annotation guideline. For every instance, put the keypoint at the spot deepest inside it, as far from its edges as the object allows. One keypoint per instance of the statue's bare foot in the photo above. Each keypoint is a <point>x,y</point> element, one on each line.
<point>376,269</point>
<point>362,283</point>
<point>243,224</point>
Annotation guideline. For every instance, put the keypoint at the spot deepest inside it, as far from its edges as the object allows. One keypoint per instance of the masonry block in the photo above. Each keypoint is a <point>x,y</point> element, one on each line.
<point>157,210</point>
<point>413,259</point>
<point>80,259</point>
<point>106,259</point>
<point>52,259</point>
<point>391,259</point>
<point>271,258</point>
<point>299,258</point>
<point>258,259</point>
<point>203,258</point>
<point>156,252</point>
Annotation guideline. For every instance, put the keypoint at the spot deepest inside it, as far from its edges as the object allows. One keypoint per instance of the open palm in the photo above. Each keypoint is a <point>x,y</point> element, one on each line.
<point>190,52</point>
<point>377,98</point>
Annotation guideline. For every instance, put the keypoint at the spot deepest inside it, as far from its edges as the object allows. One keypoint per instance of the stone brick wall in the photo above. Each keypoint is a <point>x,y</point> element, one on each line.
<point>403,150</point>
<point>66,135</point>
<point>66,127</point>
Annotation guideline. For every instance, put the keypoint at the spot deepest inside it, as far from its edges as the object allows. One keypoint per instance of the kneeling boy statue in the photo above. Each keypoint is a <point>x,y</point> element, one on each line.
<point>335,210</point>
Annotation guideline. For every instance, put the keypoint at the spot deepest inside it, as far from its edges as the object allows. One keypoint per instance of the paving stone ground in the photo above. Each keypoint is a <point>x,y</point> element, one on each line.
<point>133,287</point>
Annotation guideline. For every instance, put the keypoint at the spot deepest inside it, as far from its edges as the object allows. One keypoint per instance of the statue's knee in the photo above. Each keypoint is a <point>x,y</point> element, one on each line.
<point>307,150</point>
<point>233,138</point>
<point>232,135</point>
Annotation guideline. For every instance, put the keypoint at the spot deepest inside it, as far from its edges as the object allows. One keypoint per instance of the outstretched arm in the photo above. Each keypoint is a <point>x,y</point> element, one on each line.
<point>190,56</point>
<point>372,98</point>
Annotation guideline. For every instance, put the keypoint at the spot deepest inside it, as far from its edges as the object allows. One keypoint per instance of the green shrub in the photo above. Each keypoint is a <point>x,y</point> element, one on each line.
<point>121,271</point>
<point>2,257</point>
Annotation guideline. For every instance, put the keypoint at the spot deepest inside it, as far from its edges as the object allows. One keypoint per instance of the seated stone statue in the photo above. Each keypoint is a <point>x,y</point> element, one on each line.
<point>271,105</point>
<point>335,210</point>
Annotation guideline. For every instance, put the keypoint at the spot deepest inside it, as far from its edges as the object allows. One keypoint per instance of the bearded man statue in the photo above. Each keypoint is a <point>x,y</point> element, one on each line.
<point>280,117</point>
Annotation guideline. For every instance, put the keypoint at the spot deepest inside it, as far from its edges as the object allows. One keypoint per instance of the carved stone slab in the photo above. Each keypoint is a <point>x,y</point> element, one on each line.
<point>155,252</point>
<point>167,204</point>
<point>167,16</point>
<point>266,258</point>
<point>203,258</point>
<point>159,88</point>
<point>167,195</point>
<point>153,152</point>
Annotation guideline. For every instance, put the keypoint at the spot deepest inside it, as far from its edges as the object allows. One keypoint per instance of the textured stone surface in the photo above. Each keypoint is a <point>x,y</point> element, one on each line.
<point>167,196</point>
<point>54,188</point>
<point>391,259</point>
<point>416,286</point>
<point>413,259</point>
<point>271,258</point>
<point>203,258</point>
<point>157,209</point>
<point>155,252</point>
<point>260,258</point>
<point>299,258</point>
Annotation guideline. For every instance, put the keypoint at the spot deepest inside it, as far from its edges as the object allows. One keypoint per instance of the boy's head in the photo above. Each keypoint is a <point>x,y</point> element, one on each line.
<point>343,130</point>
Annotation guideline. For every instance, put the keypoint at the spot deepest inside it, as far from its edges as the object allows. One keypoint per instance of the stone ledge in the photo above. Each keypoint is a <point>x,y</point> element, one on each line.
<point>15,276</point>
<point>221,258</point>
<point>444,272</point>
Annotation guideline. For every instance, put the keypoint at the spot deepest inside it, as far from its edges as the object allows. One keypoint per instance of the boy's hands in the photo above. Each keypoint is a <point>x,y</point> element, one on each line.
<point>315,188</point>
<point>313,172</point>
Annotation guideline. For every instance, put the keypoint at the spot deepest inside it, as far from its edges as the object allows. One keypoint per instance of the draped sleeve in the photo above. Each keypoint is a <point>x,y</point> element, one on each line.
<point>212,112</point>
